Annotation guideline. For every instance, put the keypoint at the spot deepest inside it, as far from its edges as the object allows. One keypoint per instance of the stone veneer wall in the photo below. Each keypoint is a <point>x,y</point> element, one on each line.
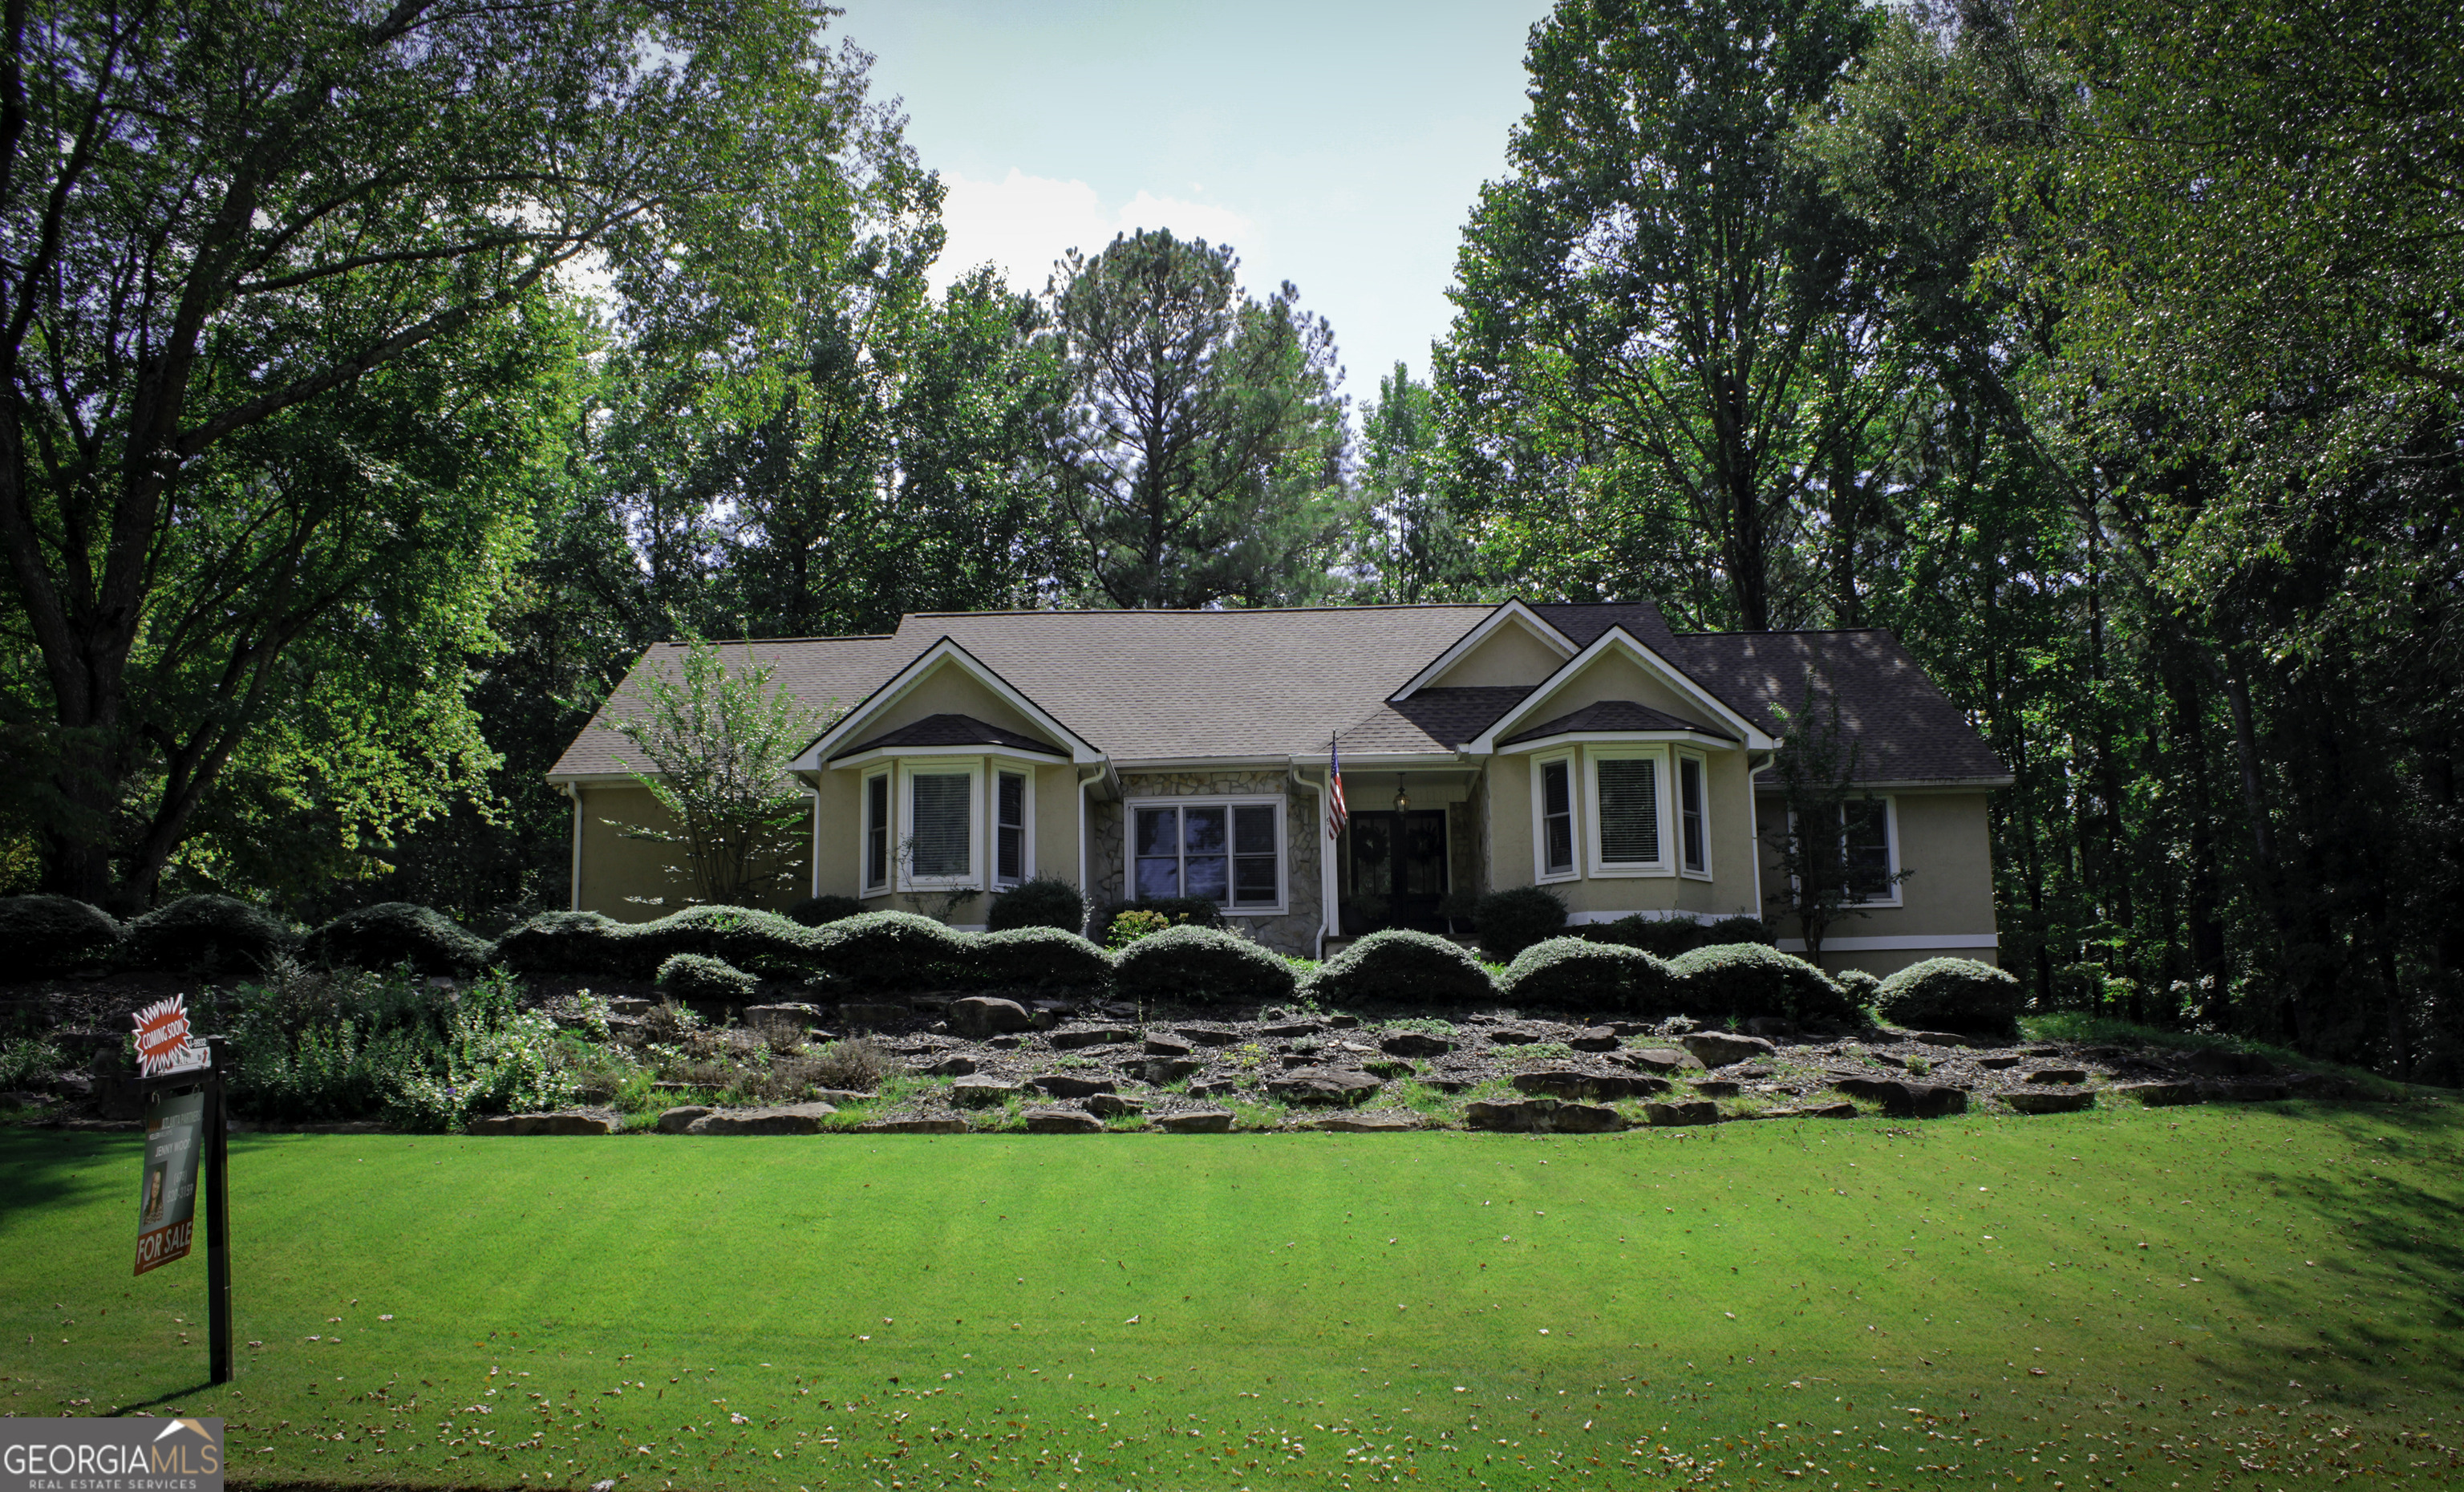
<point>1293,932</point>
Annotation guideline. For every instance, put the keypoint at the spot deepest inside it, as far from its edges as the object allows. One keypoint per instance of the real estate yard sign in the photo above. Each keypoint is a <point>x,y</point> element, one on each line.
<point>163,1042</point>
<point>175,1130</point>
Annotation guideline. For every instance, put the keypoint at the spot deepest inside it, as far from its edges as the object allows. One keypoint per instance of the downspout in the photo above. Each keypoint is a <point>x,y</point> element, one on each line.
<point>1086,891</point>
<point>813,786</point>
<point>1325,864</point>
<point>1753,817</point>
<point>573,790</point>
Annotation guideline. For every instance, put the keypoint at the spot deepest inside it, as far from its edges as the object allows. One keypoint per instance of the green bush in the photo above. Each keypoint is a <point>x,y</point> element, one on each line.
<point>1951,995</point>
<point>331,1043</point>
<point>763,943</point>
<point>1661,938</point>
<point>495,1058</point>
<point>1041,957</point>
<point>1739,930</point>
<point>814,910</point>
<point>1507,922</point>
<point>1862,988</point>
<point>700,977</point>
<point>29,1061</point>
<point>1041,903</point>
<point>393,932</point>
<point>1576,973</point>
<point>1195,911</point>
<point>1130,925</point>
<point>1398,964</point>
<point>891,951</point>
<point>1752,980</point>
<point>564,942</point>
<point>1202,966</point>
<point>54,934</point>
<point>205,934</point>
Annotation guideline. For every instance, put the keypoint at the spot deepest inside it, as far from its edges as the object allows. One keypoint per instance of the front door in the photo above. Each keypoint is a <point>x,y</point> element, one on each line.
<point>1399,869</point>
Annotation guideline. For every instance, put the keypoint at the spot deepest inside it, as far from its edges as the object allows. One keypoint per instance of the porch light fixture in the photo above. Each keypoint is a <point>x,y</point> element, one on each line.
<point>1402,799</point>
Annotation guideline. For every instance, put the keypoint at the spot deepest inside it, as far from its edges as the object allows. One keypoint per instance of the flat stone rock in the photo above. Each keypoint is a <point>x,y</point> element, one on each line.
<point>1596,1039</point>
<point>983,1015</point>
<point>1690,1112</point>
<point>677,1120</point>
<point>1940,1039</point>
<point>1659,1058</point>
<point>1713,1088</point>
<point>1584,1084</point>
<point>948,1067</point>
<point>1388,1068</point>
<point>1063,1085</point>
<point>628,1005</point>
<point>1206,1036</point>
<point>1160,1070</point>
<point>1062,1121</point>
<point>984,1093</point>
<point>913,1126</point>
<point>1415,1043</point>
<point>1913,1100</point>
<point>1808,1111</point>
<point>1543,1116</point>
<point>1090,1036</point>
<point>2054,1102</point>
<point>1720,1048</point>
<point>1113,1106</point>
<point>571,1122</point>
<point>2157,1095</point>
<point>1363,1124</point>
<point>1998,1064</point>
<point>1168,1046</point>
<point>1515,1036</point>
<point>1286,1030</point>
<point>1322,1085</point>
<point>2055,1075</point>
<point>781,1119</point>
<point>1201,1121</point>
<point>873,1013</point>
<point>841,1096</point>
<point>797,1014</point>
<point>1216,1088</point>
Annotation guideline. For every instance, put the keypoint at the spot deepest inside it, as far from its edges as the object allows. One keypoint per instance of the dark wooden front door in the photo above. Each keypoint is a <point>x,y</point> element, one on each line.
<point>1399,859</point>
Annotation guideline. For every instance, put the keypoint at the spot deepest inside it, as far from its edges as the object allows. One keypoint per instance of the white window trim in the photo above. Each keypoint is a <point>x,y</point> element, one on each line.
<point>904,803</point>
<point>1664,864</point>
<point>1891,835</point>
<point>1702,770</point>
<point>1282,845</point>
<point>866,885</point>
<point>1541,874</point>
<point>1026,824</point>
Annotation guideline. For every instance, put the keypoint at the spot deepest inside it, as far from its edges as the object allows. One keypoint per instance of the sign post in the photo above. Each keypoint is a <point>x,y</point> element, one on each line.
<point>187,1129</point>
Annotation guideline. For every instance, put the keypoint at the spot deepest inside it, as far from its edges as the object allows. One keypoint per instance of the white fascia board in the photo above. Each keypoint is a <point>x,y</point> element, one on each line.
<point>1514,610</point>
<point>586,778</point>
<point>1896,943</point>
<point>1905,785</point>
<point>1618,738</point>
<point>1677,678</point>
<point>815,757</point>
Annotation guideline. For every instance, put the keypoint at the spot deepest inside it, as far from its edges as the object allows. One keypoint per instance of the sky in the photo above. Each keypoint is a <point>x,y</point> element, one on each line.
<point>1337,144</point>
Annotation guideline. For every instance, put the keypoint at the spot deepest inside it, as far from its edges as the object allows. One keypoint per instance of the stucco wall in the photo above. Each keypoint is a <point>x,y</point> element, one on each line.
<point>629,879</point>
<point>949,689</point>
<point>1610,675</point>
<point>1510,655</point>
<point>1945,840</point>
<point>1504,796</point>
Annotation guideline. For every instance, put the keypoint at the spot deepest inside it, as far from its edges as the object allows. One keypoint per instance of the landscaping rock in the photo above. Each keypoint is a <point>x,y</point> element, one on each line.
<point>1207,1036</point>
<point>1521,1115</point>
<point>1940,1039</point>
<point>628,1005</point>
<point>1062,1121</point>
<point>2157,1095</point>
<point>1586,1119</point>
<point>948,1067</point>
<point>1169,1069</point>
<point>1063,1085</point>
<point>1720,1048</point>
<point>1389,1068</point>
<point>1998,1064</point>
<point>1091,1036</point>
<point>1596,1038</point>
<point>1659,1058</point>
<point>1290,1029</point>
<point>1585,1085</point>
<point>873,1013</point>
<point>1415,1043</point>
<point>1113,1106</point>
<point>1216,1088</point>
<point>1006,1044</point>
<point>1911,1100</point>
<point>785,1119</point>
<point>1514,1036</point>
<point>1714,1089</point>
<point>1343,1023</point>
<point>913,1126</point>
<point>568,1123</point>
<point>1168,1046</point>
<point>804,1016</point>
<point>1203,1121</point>
<point>677,1120</point>
<point>983,1092</point>
<point>2055,1075</point>
<point>2054,1102</point>
<point>983,1015</point>
<point>841,1096</point>
<point>1322,1085</point>
<point>1693,1112</point>
<point>1363,1124</point>
<point>1808,1111</point>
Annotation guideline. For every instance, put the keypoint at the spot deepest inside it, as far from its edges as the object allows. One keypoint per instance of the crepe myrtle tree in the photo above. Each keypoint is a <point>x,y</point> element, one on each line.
<point>714,742</point>
<point>1824,878</point>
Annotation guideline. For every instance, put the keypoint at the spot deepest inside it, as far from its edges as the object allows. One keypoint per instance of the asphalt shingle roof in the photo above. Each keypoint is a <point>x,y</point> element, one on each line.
<point>950,730</point>
<point>1612,714</point>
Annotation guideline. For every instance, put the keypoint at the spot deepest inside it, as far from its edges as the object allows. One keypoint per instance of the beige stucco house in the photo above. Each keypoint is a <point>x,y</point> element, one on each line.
<point>1586,748</point>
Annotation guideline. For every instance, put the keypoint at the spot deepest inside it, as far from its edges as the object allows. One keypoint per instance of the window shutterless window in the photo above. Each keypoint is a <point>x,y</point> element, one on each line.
<point>1226,853</point>
<point>876,831</point>
<point>1557,817</point>
<point>938,820</point>
<point>1865,830</point>
<point>1009,828</point>
<point>1629,809</point>
<point>1694,852</point>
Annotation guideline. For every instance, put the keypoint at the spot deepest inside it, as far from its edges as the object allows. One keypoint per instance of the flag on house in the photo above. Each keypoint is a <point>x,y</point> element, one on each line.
<point>1337,816</point>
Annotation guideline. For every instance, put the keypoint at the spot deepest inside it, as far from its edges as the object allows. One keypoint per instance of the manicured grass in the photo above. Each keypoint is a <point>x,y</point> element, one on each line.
<point>2148,1299</point>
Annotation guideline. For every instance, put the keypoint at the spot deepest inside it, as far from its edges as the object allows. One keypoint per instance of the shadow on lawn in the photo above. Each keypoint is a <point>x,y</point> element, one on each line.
<point>39,1167</point>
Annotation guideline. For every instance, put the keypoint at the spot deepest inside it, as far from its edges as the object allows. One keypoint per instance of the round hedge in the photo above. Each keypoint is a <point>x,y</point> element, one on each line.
<point>1861,987</point>
<point>564,942</point>
<point>1042,903</point>
<point>205,934</point>
<point>890,951</point>
<point>1401,965</point>
<point>1661,938</point>
<point>1951,995</point>
<point>52,933</point>
<point>1578,973</point>
<point>815,911</point>
<point>1043,958</point>
<point>1510,921</point>
<point>1202,966</point>
<point>699,976</point>
<point>1755,979</point>
<point>763,942</point>
<point>393,932</point>
<point>1739,928</point>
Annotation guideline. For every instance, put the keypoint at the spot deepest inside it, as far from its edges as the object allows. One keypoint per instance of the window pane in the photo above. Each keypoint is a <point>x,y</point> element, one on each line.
<point>1011,853</point>
<point>1561,843</point>
<point>1868,826</point>
<point>1557,794</point>
<point>942,845</point>
<point>1159,831</point>
<point>1253,830</point>
<point>1629,811</point>
<point>1253,881</point>
<point>1689,788</point>
<point>1203,831</point>
<point>1209,876</point>
<point>1013,797</point>
<point>876,831</point>
<point>1159,878</point>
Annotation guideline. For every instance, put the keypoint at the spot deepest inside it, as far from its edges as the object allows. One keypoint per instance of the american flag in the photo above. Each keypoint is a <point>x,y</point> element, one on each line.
<point>1337,816</point>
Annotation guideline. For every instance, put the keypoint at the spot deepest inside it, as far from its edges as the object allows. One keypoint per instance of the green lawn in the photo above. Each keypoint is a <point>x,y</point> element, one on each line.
<point>2143,1299</point>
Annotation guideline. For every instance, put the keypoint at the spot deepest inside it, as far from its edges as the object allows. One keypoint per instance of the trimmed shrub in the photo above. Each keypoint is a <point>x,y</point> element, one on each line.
<point>1041,903</point>
<point>1755,979</point>
<point>1577,971</point>
<point>1510,921</point>
<point>1861,987</point>
<point>815,911</point>
<point>1400,964</point>
<point>564,942</point>
<point>1041,956</point>
<point>1951,995</point>
<point>52,933</point>
<point>1195,911</point>
<point>1661,938</point>
<point>890,951</point>
<point>1202,966</point>
<point>205,934</point>
<point>700,977</point>
<point>392,932</point>
<point>761,942</point>
<point>1739,930</point>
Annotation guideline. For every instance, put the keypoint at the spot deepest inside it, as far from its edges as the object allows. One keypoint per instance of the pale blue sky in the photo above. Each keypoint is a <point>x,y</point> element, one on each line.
<point>1336,145</point>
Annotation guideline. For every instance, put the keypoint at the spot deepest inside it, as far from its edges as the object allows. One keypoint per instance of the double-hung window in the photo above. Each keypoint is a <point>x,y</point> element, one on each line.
<point>1228,853</point>
<point>1693,835</point>
<point>1866,834</point>
<point>1009,828</point>
<point>877,832</point>
<point>1629,805</point>
<point>940,823</point>
<point>1556,803</point>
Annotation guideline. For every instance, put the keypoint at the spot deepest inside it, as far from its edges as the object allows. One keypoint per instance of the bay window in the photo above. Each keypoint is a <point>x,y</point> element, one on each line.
<point>1628,809</point>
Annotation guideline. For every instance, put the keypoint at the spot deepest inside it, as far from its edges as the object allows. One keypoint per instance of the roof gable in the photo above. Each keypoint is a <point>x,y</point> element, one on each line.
<point>950,730</point>
<point>1616,642</point>
<point>944,654</point>
<point>1510,646</point>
